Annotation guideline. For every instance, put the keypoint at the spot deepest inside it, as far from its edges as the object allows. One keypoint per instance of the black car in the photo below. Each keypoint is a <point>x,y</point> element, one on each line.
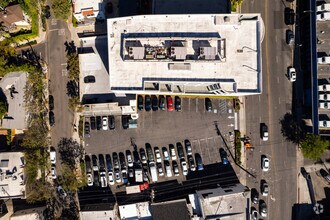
<point>199,162</point>
<point>180,150</point>
<point>111,121</point>
<point>115,160</point>
<point>143,156</point>
<point>87,129</point>
<point>124,120</point>
<point>101,161</point>
<point>98,122</point>
<point>93,123</point>
<point>51,118</point>
<point>191,163</point>
<point>51,103</point>
<point>154,103</point>
<point>325,175</point>
<point>150,153</point>
<point>140,102</point>
<point>96,178</point>
<point>177,103</point>
<point>289,37</point>
<point>223,155</point>
<point>162,102</point>
<point>254,196</point>
<point>109,7</point>
<point>289,16</point>
<point>108,161</point>
<point>122,160</point>
<point>147,103</point>
<point>89,79</point>
<point>46,11</point>
<point>208,105</point>
<point>88,164</point>
<point>94,163</point>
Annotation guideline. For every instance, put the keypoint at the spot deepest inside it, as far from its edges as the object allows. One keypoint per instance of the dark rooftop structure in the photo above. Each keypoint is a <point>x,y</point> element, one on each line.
<point>96,199</point>
<point>170,210</point>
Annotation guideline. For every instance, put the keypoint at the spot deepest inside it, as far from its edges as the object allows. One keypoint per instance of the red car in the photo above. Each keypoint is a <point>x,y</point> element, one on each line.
<point>169,103</point>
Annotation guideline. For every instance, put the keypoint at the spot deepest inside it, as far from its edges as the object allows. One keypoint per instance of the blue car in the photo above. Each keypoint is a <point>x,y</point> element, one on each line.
<point>199,162</point>
<point>223,156</point>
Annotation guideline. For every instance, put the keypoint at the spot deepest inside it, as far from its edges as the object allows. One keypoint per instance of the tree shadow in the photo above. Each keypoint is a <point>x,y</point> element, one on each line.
<point>70,48</point>
<point>291,130</point>
<point>72,88</point>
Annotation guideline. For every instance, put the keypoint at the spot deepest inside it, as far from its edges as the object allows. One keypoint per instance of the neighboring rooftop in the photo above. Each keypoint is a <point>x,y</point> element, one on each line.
<point>13,86</point>
<point>11,176</point>
<point>135,211</point>
<point>193,7</point>
<point>11,15</point>
<point>170,210</point>
<point>214,54</point>
<point>88,9</point>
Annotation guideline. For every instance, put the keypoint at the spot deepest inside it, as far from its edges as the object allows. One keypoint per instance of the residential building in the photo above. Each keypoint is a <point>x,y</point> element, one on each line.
<point>92,9</point>
<point>12,88</point>
<point>12,178</point>
<point>135,211</point>
<point>215,55</point>
<point>13,18</point>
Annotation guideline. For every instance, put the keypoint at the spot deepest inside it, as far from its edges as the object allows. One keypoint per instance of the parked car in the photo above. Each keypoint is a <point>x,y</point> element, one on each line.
<point>177,101</point>
<point>187,144</point>
<point>115,160</point>
<point>53,171</point>
<point>51,118</point>
<point>157,155</point>
<point>223,155</point>
<point>172,152</point>
<point>111,178</point>
<point>165,153</point>
<point>254,196</point>
<point>199,162</point>
<point>124,176</point>
<point>140,102</point>
<point>112,122</point>
<point>191,163</point>
<point>264,132</point>
<point>254,213</point>
<point>325,175</point>
<point>129,158</point>
<point>96,178</point>
<point>103,178</point>
<point>122,160</point>
<point>289,37</point>
<point>264,188</point>
<point>150,154</point>
<point>147,103</point>
<point>93,123</point>
<point>98,122</point>
<point>52,154</point>
<point>143,156</point>
<point>265,163</point>
<point>175,168</point>
<point>46,11</point>
<point>168,169</point>
<point>101,161</point>
<point>130,173</point>
<point>89,179</point>
<point>162,105</point>
<point>263,208</point>
<point>61,191</point>
<point>292,74</point>
<point>117,176</point>
<point>104,123</point>
<point>89,79</point>
<point>124,120</point>
<point>208,105</point>
<point>154,103</point>
<point>180,150</point>
<point>184,167</point>
<point>87,129</point>
<point>108,162</point>
<point>51,102</point>
<point>289,16</point>
<point>169,103</point>
<point>94,162</point>
<point>160,169</point>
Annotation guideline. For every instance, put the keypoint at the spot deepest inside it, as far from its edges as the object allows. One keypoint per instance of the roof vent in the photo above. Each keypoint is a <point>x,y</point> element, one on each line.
<point>226,19</point>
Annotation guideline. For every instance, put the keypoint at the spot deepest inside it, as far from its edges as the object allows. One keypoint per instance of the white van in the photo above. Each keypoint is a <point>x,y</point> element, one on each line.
<point>53,156</point>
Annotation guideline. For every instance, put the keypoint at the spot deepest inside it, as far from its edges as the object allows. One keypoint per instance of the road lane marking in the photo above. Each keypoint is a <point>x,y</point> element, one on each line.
<point>278,80</point>
<point>259,98</point>
<point>279,100</point>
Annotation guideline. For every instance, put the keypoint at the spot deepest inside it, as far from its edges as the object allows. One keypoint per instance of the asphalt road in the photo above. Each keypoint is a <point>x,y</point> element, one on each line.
<point>269,108</point>
<point>58,34</point>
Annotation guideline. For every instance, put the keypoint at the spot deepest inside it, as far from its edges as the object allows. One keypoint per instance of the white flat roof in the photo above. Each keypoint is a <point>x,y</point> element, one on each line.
<point>239,63</point>
<point>12,175</point>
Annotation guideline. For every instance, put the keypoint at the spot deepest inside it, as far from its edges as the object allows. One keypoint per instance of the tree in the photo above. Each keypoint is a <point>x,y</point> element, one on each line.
<point>291,130</point>
<point>38,191</point>
<point>314,146</point>
<point>70,150</point>
<point>3,109</point>
<point>61,9</point>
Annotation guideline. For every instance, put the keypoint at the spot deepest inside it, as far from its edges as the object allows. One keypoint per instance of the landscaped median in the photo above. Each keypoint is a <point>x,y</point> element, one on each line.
<point>238,147</point>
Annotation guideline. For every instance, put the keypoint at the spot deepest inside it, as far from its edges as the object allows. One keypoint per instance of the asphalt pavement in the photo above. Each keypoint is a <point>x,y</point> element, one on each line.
<point>57,35</point>
<point>269,108</point>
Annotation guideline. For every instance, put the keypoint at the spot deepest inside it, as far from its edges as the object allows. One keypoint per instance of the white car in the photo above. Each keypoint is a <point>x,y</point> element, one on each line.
<point>105,123</point>
<point>52,154</point>
<point>111,178</point>
<point>172,152</point>
<point>292,74</point>
<point>89,179</point>
<point>265,164</point>
<point>165,153</point>
<point>264,188</point>
<point>53,172</point>
<point>168,169</point>
<point>117,176</point>
<point>160,169</point>
<point>129,158</point>
<point>184,167</point>
<point>158,156</point>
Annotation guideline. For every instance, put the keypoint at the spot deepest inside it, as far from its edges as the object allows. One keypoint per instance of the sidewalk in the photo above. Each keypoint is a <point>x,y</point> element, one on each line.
<point>242,129</point>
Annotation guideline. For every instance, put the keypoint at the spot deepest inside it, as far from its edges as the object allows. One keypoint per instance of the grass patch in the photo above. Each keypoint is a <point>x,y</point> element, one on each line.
<point>74,21</point>
<point>238,147</point>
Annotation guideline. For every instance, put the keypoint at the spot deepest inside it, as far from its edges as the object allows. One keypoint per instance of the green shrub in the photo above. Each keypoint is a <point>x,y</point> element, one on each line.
<point>238,147</point>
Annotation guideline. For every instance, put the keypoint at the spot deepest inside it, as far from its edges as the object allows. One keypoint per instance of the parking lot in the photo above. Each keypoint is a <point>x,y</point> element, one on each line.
<point>161,128</point>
